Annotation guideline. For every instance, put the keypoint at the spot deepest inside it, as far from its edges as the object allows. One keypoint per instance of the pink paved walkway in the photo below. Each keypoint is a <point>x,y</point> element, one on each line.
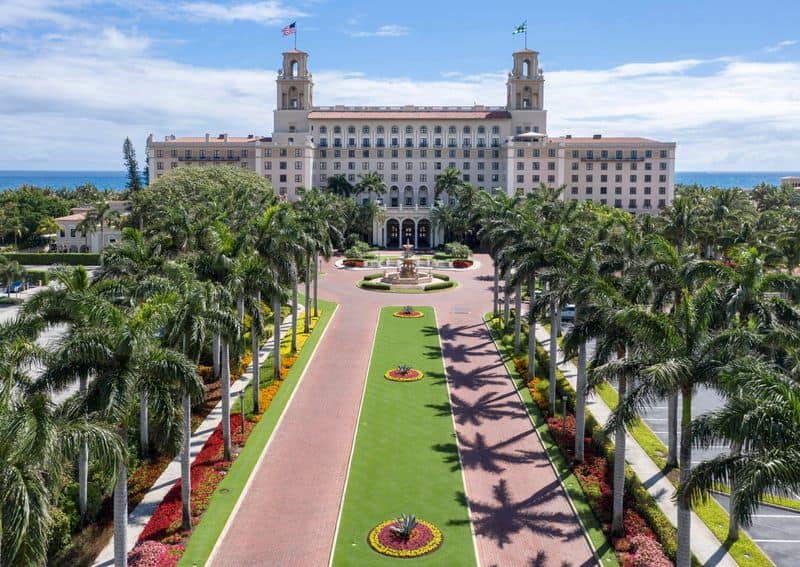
<point>520,514</point>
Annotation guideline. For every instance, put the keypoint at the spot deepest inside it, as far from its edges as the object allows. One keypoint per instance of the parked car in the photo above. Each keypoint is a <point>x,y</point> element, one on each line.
<point>14,287</point>
<point>568,313</point>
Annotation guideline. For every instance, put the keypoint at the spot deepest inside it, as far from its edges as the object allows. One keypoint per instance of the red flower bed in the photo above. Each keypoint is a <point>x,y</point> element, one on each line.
<point>639,547</point>
<point>353,263</point>
<point>208,469</point>
<point>462,263</point>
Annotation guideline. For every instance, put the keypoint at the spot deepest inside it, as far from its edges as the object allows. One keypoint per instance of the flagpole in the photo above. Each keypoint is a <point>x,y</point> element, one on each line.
<point>295,37</point>
<point>526,34</point>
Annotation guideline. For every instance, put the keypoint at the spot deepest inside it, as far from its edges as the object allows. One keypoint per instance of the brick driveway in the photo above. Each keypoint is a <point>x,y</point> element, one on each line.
<point>520,513</point>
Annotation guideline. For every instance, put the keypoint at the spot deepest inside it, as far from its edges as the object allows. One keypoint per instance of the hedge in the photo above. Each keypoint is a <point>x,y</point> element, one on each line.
<point>438,285</point>
<point>375,285</point>
<point>370,277</point>
<point>41,277</point>
<point>48,258</point>
<point>444,277</point>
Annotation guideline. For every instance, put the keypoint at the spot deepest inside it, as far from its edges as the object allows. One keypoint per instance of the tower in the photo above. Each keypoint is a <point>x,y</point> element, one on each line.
<point>295,87</point>
<point>525,82</point>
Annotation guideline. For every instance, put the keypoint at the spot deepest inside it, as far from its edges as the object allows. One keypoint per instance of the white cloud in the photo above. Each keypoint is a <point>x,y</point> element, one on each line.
<point>69,103</point>
<point>389,30</point>
<point>781,45</point>
<point>16,13</point>
<point>268,13</point>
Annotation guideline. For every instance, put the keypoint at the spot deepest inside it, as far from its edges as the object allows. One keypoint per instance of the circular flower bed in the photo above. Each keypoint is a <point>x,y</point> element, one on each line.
<point>408,314</point>
<point>461,264</point>
<point>425,538</point>
<point>396,375</point>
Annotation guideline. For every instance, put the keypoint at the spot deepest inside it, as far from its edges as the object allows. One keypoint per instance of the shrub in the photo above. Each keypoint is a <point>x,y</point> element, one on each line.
<point>444,277</point>
<point>457,250</point>
<point>441,256</point>
<point>438,285</point>
<point>39,277</point>
<point>47,258</point>
<point>358,250</point>
<point>370,277</point>
<point>375,285</point>
<point>462,263</point>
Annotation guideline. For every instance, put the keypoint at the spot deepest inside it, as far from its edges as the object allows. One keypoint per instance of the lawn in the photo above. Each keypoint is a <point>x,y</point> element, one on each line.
<point>396,467</point>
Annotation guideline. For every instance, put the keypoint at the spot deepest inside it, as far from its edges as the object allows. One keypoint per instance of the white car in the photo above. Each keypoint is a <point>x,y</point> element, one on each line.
<point>568,313</point>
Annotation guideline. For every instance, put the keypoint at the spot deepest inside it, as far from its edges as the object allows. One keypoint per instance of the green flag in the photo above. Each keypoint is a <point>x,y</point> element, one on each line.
<point>522,28</point>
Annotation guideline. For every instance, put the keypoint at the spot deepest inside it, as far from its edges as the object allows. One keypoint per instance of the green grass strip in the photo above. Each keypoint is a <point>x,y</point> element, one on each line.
<point>230,489</point>
<point>590,522</point>
<point>744,550</point>
<point>405,458</point>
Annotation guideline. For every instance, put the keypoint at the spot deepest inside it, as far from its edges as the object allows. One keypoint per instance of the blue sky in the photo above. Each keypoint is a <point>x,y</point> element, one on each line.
<point>722,79</point>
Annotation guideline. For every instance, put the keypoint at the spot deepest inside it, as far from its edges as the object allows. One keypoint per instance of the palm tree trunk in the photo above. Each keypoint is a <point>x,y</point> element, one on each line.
<point>144,428</point>
<point>553,353</point>
<point>733,520</point>
<point>226,399</point>
<point>316,281</point>
<point>83,463</point>
<point>276,337</point>
<point>619,467</point>
<point>186,464</point>
<point>580,403</point>
<point>517,317</point>
<point>294,317</point>
<point>240,309</point>
<point>496,290</point>
<point>121,508</point>
<point>672,431</point>
<point>215,354</point>
<point>684,555</point>
<point>506,304</point>
<point>255,347</point>
<point>531,333</point>
<point>307,313</point>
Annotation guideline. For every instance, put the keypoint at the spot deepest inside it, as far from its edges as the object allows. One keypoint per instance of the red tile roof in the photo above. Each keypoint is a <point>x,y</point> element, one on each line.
<point>72,218</point>
<point>218,140</point>
<point>618,140</point>
<point>409,114</point>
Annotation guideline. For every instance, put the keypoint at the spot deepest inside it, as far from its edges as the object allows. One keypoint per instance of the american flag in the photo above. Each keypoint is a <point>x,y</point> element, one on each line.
<point>290,29</point>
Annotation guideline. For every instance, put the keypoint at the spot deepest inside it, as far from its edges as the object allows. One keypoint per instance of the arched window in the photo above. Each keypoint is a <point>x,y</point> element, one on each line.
<point>526,68</point>
<point>409,129</point>
<point>323,129</point>
<point>379,130</point>
<point>337,129</point>
<point>451,130</point>
<point>293,68</point>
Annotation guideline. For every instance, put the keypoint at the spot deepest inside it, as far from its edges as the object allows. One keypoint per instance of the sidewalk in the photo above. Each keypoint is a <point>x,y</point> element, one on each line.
<point>705,545</point>
<point>138,518</point>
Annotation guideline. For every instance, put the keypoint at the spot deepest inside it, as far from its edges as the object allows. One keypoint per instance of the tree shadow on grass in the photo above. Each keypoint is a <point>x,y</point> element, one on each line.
<point>491,406</point>
<point>500,519</point>
<point>477,454</point>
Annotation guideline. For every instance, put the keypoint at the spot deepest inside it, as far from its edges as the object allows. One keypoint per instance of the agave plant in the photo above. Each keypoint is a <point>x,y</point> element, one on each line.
<point>407,310</point>
<point>403,368</point>
<point>404,525</point>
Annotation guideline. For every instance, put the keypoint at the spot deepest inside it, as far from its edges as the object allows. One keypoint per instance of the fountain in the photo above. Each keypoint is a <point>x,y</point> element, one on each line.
<point>407,275</point>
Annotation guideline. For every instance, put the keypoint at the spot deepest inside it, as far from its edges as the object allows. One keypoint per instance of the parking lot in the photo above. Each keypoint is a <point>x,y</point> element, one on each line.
<point>775,530</point>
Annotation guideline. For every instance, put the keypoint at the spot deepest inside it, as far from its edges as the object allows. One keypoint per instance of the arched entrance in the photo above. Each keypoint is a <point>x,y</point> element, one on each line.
<point>392,234</point>
<point>424,234</point>
<point>408,232</point>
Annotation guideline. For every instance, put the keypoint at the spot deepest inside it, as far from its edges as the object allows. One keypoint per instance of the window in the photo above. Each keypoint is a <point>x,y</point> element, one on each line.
<point>409,165</point>
<point>351,129</point>
<point>380,165</point>
<point>574,166</point>
<point>634,166</point>
<point>662,154</point>
<point>298,178</point>
<point>632,190</point>
<point>574,178</point>
<point>409,130</point>
<point>282,165</point>
<point>451,130</point>
<point>589,190</point>
<point>632,203</point>
<point>466,165</point>
<point>551,178</point>
<point>160,165</point>
<point>71,232</point>
<point>662,178</point>
<point>495,129</point>
<point>618,203</point>
<point>589,166</point>
<point>423,178</point>
<point>574,190</point>
<point>648,166</point>
<point>244,153</point>
<point>173,153</point>
<point>648,178</point>
<point>520,179</point>
<point>648,154</point>
<point>337,165</point>
<point>481,165</point>
<point>603,190</point>
<point>618,154</point>
<point>282,178</point>
<point>618,166</point>
<point>617,190</point>
<point>647,190</point>
<point>551,153</point>
<point>298,152</point>
<point>298,165</point>
<point>395,166</point>
<point>268,165</point>
<point>423,165</point>
<point>633,179</point>
<point>188,154</point>
<point>380,154</point>
<point>662,166</point>
<point>662,203</point>
<point>409,178</point>
<point>520,166</point>
<point>551,166</point>
<point>589,179</point>
<point>604,178</point>
<point>535,178</point>
<point>365,165</point>
<point>662,190</point>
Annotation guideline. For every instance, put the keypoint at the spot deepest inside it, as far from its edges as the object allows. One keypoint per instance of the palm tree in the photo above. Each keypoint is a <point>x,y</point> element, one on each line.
<point>761,418</point>
<point>448,182</point>
<point>338,185</point>
<point>102,214</point>
<point>371,182</point>
<point>677,353</point>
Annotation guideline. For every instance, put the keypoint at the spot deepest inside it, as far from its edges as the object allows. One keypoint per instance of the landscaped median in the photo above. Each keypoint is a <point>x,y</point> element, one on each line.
<point>219,505</point>
<point>396,467</point>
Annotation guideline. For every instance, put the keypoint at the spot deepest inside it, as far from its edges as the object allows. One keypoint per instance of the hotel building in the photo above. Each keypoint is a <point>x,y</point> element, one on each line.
<point>496,148</point>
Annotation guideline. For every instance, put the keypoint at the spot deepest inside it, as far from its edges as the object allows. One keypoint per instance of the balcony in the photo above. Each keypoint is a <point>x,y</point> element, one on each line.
<point>204,158</point>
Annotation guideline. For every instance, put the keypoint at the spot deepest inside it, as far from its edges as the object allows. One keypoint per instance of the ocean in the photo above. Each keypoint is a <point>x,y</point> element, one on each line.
<point>118,179</point>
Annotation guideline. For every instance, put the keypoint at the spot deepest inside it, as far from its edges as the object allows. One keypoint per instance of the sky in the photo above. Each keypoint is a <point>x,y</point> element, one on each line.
<point>721,79</point>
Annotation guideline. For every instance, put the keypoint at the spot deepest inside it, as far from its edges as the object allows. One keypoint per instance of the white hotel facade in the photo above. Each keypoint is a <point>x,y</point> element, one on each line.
<point>496,148</point>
